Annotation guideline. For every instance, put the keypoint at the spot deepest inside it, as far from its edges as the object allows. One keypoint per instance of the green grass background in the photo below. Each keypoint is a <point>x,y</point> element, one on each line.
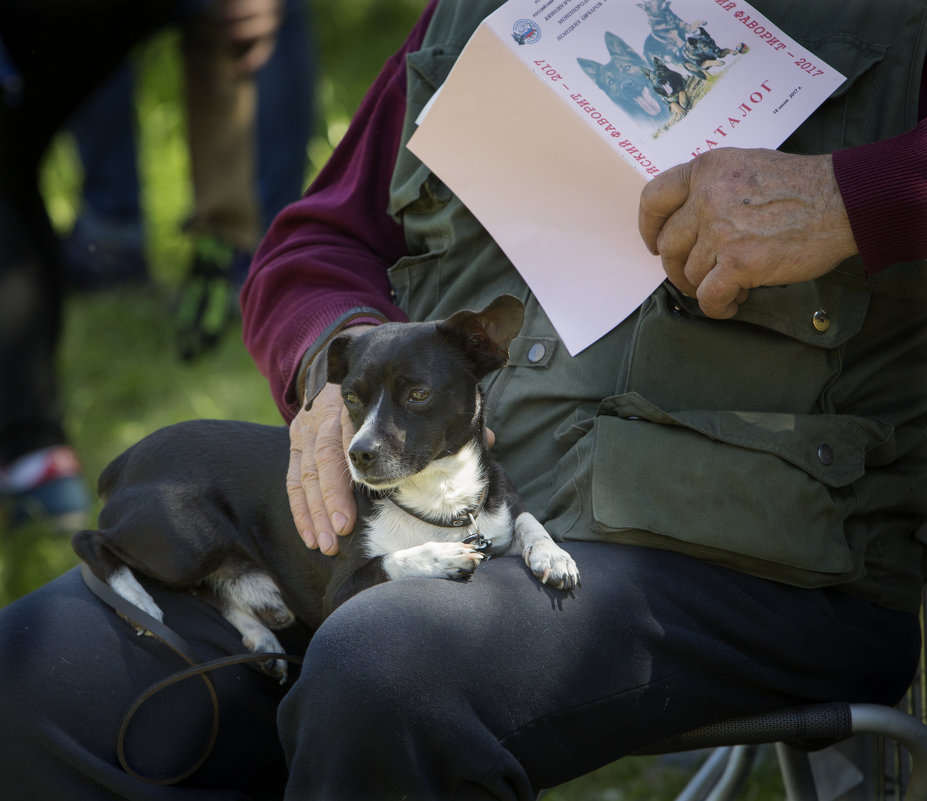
<point>120,377</point>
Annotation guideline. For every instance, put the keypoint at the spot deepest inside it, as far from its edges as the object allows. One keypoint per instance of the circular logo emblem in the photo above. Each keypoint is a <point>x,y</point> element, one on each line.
<point>525,31</point>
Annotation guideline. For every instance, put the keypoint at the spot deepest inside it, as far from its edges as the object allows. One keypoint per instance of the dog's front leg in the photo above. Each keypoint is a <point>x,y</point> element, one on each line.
<point>548,561</point>
<point>453,560</point>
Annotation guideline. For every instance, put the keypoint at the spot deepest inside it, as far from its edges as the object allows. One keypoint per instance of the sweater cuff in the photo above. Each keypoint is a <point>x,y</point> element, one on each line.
<point>359,316</point>
<point>884,189</point>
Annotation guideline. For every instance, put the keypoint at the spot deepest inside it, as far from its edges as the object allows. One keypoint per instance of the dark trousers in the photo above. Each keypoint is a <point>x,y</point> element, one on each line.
<point>74,668</point>
<point>493,688</point>
<point>61,51</point>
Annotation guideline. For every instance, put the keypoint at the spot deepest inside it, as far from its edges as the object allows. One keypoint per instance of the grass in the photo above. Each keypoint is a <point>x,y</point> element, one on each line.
<point>120,377</point>
<point>662,779</point>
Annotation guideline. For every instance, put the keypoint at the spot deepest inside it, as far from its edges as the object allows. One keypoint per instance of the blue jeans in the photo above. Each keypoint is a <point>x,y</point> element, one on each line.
<point>105,129</point>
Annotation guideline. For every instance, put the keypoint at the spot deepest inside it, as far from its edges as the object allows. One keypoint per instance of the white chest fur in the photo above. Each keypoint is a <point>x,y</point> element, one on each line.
<point>442,490</point>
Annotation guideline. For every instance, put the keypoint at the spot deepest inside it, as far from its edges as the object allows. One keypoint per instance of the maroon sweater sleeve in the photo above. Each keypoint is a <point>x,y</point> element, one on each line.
<point>323,262</point>
<point>884,189</point>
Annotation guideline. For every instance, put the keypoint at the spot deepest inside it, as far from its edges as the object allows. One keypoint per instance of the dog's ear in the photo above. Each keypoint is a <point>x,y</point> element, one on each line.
<point>330,366</point>
<point>591,68</point>
<point>487,334</point>
<point>615,45</point>
<point>620,49</point>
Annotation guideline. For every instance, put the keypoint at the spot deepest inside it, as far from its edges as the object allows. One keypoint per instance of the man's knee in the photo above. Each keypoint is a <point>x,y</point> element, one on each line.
<point>376,640</point>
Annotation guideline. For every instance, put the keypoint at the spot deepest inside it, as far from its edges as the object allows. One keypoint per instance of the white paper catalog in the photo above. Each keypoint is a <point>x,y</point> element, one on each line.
<point>558,111</point>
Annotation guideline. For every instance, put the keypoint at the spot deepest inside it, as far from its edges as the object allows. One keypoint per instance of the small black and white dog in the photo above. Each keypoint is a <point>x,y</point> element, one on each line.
<point>202,504</point>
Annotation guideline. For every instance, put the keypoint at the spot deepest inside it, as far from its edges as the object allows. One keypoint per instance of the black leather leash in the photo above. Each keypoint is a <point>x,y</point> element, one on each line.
<point>159,631</point>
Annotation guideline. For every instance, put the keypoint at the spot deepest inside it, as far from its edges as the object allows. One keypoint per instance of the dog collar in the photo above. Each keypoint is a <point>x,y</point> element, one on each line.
<point>464,518</point>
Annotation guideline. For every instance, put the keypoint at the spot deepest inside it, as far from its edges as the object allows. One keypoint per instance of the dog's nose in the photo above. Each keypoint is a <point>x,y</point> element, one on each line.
<point>363,457</point>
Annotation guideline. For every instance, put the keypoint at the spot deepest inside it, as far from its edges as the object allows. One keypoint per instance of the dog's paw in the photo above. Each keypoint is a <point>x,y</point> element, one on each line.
<point>552,565</point>
<point>258,639</point>
<point>548,561</point>
<point>265,642</point>
<point>453,560</point>
<point>276,617</point>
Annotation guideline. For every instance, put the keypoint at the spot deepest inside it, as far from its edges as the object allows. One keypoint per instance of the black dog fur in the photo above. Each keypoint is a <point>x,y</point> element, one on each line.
<point>203,504</point>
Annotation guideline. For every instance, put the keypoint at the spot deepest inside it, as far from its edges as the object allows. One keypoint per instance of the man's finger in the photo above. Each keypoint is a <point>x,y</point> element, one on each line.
<point>676,243</point>
<point>336,500</point>
<point>299,507</point>
<point>721,294</point>
<point>321,522</point>
<point>700,260</point>
<point>343,502</point>
<point>660,199</point>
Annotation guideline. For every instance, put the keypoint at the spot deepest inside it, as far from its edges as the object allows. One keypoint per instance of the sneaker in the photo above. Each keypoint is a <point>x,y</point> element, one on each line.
<point>46,485</point>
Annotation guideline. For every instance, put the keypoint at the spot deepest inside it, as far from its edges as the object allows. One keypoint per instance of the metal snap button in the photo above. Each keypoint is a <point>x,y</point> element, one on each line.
<point>536,352</point>
<point>825,454</point>
<point>820,320</point>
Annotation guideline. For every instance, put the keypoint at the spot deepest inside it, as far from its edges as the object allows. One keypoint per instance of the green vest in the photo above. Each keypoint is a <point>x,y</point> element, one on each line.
<point>790,442</point>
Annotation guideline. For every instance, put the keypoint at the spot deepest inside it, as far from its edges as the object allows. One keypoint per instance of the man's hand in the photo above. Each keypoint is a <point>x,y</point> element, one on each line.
<point>731,220</point>
<point>317,482</point>
<point>250,27</point>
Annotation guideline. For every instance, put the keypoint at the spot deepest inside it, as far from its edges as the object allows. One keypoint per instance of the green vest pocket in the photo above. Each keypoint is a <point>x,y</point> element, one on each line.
<point>651,469</point>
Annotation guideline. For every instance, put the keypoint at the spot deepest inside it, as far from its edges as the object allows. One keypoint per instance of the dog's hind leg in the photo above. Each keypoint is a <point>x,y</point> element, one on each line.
<point>124,583</point>
<point>91,546</point>
<point>250,600</point>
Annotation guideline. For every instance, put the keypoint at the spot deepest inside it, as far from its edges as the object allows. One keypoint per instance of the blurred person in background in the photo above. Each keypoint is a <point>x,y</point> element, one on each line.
<point>227,42</point>
<point>106,245</point>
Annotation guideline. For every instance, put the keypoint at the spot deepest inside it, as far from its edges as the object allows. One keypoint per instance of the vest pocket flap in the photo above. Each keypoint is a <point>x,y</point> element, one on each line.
<point>737,503</point>
<point>849,55</point>
<point>430,66</point>
<point>411,277</point>
<point>833,449</point>
<point>823,314</point>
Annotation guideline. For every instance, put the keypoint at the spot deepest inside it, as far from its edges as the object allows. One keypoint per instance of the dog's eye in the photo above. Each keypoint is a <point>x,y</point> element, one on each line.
<point>419,395</point>
<point>351,398</point>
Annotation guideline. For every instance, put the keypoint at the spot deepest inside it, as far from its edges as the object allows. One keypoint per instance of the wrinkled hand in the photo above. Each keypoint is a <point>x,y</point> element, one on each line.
<point>731,220</point>
<point>317,482</point>
<point>250,27</point>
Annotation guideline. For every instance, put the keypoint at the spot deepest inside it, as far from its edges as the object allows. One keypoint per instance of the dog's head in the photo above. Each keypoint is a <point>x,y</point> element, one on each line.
<point>412,389</point>
<point>622,78</point>
<point>702,46</point>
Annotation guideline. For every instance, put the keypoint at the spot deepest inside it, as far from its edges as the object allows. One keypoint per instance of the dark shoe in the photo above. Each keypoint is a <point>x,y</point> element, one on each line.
<point>100,253</point>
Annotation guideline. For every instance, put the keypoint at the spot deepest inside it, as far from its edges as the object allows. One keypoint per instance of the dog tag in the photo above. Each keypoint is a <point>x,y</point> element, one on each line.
<point>479,542</point>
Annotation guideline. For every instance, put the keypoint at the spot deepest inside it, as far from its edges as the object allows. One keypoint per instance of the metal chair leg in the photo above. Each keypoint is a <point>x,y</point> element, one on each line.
<point>906,730</point>
<point>721,776</point>
<point>735,774</point>
<point>796,773</point>
<point>707,775</point>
